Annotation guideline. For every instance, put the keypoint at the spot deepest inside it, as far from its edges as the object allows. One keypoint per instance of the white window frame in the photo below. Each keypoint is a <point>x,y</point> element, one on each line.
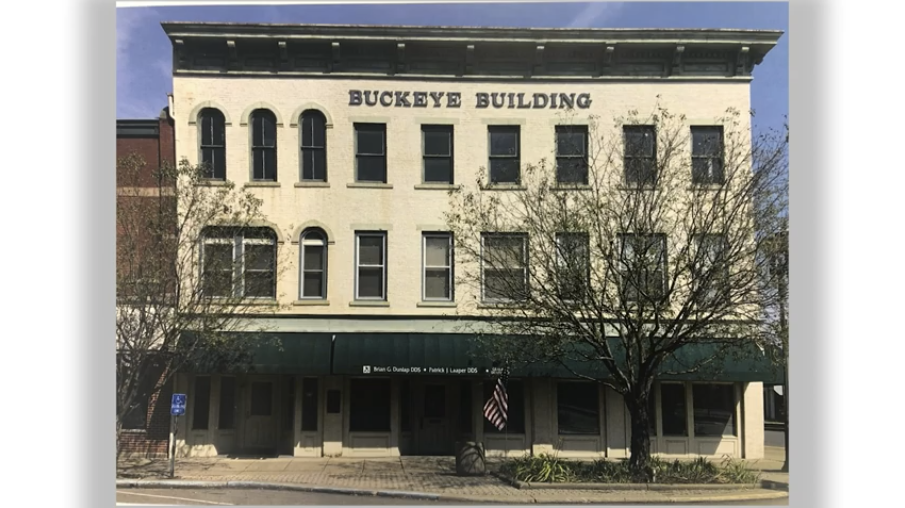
<point>524,238</point>
<point>562,261</point>
<point>424,266</point>
<point>305,242</point>
<point>238,242</point>
<point>383,237</point>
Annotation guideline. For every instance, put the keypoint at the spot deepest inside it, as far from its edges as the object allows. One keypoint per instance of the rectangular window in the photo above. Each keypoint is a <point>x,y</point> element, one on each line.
<point>504,267</point>
<point>572,154</point>
<point>202,405</point>
<point>714,410</point>
<point>239,263</point>
<point>264,146</point>
<point>371,272</point>
<point>260,266</point>
<point>643,266</point>
<point>573,254</point>
<point>288,406</point>
<point>673,409</point>
<point>578,408</point>
<point>640,155</point>
<point>314,147</point>
<point>218,256</point>
<point>227,413</point>
<point>504,154</point>
<point>437,148</point>
<point>711,271</point>
<point>310,403</point>
<point>466,416</point>
<point>707,155</point>
<point>369,402</point>
<point>370,152</point>
<point>516,395</point>
<point>438,267</point>
<point>405,405</point>
<point>213,143</point>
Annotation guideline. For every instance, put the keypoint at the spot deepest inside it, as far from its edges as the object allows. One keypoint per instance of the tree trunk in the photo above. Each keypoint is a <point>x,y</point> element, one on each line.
<point>119,432</point>
<point>639,451</point>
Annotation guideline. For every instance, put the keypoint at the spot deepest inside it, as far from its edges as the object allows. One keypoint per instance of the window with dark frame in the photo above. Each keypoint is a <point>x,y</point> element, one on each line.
<point>711,271</point>
<point>640,155</point>
<point>707,155</point>
<point>313,127</point>
<point>574,263</point>
<point>673,409</point>
<point>572,154</point>
<point>466,416</point>
<point>438,267</point>
<point>313,243</point>
<point>505,158</point>
<point>370,153</point>
<point>516,397</point>
<point>264,145</point>
<point>369,405</point>
<point>227,410</point>
<point>239,263</point>
<point>202,404</point>
<point>643,267</point>
<point>405,406</point>
<point>504,270</point>
<point>287,408</point>
<point>578,408</point>
<point>437,153</point>
<point>310,404</point>
<point>714,410</point>
<point>371,266</point>
<point>212,130</point>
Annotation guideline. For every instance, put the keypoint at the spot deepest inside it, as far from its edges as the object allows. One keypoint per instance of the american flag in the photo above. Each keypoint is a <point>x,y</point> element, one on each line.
<point>496,409</point>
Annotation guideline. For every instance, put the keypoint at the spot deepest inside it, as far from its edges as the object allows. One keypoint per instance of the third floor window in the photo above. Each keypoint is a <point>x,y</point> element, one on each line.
<point>264,145</point>
<point>212,137</point>
<point>314,146</point>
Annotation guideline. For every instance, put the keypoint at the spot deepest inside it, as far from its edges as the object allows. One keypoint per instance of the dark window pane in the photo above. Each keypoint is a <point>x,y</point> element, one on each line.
<point>706,141</point>
<point>218,284</point>
<point>516,396</point>
<point>372,169</point>
<point>314,257</point>
<point>714,410</point>
<point>310,405</point>
<point>639,141</point>
<point>219,155</point>
<point>707,170</point>
<point>436,283</point>
<point>438,170</point>
<point>314,164</point>
<point>370,250</point>
<point>369,405</point>
<point>370,282</point>
<point>227,416</point>
<point>570,142</point>
<point>259,257</point>
<point>504,171</point>
<point>260,284</point>
<point>578,408</point>
<point>207,137</point>
<point>202,405</point>
<point>436,251</point>
<point>640,171</point>
<point>261,398</point>
<point>258,167</point>
<point>268,123</point>
<point>313,130</point>
<point>465,408</point>
<point>287,408</point>
<point>438,142</point>
<point>571,170</point>
<point>270,164</point>
<point>435,401</point>
<point>504,141</point>
<point>313,284</point>
<point>370,141</point>
<point>405,405</point>
<point>504,284</point>
<point>257,130</point>
<point>672,409</point>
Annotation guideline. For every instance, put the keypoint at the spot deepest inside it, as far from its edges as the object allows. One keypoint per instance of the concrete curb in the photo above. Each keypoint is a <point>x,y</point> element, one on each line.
<point>774,485</point>
<point>610,497</point>
<point>658,487</point>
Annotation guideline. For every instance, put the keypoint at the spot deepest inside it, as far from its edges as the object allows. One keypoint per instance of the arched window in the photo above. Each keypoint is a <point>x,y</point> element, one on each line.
<point>239,262</point>
<point>264,145</point>
<point>212,143</point>
<point>314,146</point>
<point>313,244</point>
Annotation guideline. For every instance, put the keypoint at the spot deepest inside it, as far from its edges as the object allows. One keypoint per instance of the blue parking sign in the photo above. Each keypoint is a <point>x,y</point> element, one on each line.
<point>177,407</point>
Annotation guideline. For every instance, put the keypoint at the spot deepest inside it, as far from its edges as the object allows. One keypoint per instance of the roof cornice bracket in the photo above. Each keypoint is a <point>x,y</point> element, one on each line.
<point>743,64</point>
<point>469,59</point>
<point>284,55</point>
<point>233,54</point>
<point>335,58</point>
<point>606,61</point>
<point>538,59</point>
<point>400,57</point>
<point>677,61</point>
<point>179,53</point>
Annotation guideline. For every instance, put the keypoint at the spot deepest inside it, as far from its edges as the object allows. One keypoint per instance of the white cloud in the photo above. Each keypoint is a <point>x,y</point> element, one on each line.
<point>595,14</point>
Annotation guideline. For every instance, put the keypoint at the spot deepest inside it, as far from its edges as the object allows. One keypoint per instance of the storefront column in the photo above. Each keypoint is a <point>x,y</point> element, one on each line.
<point>752,428</point>
<point>543,413</point>
<point>333,422</point>
<point>617,425</point>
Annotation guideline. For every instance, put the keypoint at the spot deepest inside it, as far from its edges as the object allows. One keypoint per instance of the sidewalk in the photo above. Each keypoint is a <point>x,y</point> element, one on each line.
<point>425,477</point>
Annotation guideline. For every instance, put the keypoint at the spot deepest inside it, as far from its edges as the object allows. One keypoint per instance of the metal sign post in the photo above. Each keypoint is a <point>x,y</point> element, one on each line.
<point>177,408</point>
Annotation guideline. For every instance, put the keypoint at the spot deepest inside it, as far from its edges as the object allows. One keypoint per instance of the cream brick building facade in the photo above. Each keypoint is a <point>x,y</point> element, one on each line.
<point>289,70</point>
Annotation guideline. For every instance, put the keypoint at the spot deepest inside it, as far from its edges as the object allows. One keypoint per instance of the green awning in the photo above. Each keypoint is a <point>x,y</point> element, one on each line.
<point>404,353</point>
<point>268,353</point>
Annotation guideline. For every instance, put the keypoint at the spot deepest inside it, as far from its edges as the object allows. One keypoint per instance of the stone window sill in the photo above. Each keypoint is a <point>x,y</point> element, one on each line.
<point>311,303</point>
<point>212,183</point>
<point>368,303</point>
<point>504,187</point>
<point>262,184</point>
<point>437,304</point>
<point>571,187</point>
<point>437,186</point>
<point>369,185</point>
<point>312,184</point>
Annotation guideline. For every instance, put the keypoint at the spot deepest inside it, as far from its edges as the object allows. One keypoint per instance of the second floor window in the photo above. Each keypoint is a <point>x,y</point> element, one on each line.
<point>438,267</point>
<point>239,263</point>
<point>264,145</point>
<point>711,271</point>
<point>314,146</point>
<point>314,264</point>
<point>574,265</point>
<point>437,141</point>
<point>707,155</point>
<point>643,267</point>
<point>572,154</point>
<point>370,152</point>
<point>371,266</point>
<point>640,155</point>
<point>212,137</point>
<point>504,154</point>
<point>504,270</point>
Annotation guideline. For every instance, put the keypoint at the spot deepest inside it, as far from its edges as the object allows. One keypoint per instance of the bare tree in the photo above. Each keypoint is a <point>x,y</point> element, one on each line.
<point>634,243</point>
<point>185,278</point>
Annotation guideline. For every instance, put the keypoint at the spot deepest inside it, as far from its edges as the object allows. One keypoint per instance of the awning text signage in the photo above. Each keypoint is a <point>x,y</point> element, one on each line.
<point>443,371</point>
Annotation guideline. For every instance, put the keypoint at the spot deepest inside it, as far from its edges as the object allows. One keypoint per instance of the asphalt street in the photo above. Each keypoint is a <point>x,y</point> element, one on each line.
<point>245,497</point>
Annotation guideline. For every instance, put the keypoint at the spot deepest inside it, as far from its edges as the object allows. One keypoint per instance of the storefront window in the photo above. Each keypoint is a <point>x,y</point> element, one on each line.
<point>369,405</point>
<point>227,414</point>
<point>201,408</point>
<point>516,417</point>
<point>673,409</point>
<point>714,410</point>
<point>405,405</point>
<point>578,408</point>
<point>309,404</point>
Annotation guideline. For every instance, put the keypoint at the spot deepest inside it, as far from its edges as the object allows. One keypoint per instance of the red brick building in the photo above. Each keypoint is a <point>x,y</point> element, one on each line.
<point>146,426</point>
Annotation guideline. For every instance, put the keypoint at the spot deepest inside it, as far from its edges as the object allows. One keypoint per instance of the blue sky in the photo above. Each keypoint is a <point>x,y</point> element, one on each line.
<point>143,53</point>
